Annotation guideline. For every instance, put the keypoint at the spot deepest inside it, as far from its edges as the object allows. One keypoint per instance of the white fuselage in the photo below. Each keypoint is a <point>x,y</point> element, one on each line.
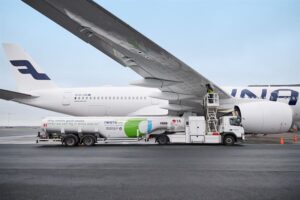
<point>136,101</point>
<point>98,101</point>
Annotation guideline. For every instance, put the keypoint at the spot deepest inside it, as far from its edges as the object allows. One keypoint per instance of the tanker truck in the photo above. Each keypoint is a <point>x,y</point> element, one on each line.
<point>72,131</point>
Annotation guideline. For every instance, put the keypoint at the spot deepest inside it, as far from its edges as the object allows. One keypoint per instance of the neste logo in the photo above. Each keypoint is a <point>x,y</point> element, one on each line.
<point>29,69</point>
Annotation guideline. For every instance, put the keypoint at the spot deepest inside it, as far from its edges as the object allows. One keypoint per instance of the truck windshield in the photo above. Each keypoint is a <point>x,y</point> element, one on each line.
<point>235,121</point>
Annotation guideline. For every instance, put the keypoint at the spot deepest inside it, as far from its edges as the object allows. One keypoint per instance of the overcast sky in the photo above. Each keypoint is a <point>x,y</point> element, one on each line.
<point>231,42</point>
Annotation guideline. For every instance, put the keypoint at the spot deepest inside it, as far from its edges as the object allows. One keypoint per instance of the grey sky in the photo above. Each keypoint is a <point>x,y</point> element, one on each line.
<point>231,42</point>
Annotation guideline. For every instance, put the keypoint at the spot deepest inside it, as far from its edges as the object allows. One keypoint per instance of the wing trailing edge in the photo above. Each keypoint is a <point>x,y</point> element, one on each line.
<point>11,95</point>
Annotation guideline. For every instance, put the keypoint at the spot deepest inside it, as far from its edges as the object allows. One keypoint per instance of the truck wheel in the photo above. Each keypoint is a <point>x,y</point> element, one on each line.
<point>70,140</point>
<point>228,140</point>
<point>162,139</point>
<point>88,140</point>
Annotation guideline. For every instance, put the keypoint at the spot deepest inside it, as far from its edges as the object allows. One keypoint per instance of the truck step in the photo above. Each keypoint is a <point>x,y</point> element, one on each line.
<point>121,139</point>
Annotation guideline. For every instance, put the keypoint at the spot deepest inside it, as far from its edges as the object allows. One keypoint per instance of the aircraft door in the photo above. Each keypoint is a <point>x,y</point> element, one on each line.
<point>66,100</point>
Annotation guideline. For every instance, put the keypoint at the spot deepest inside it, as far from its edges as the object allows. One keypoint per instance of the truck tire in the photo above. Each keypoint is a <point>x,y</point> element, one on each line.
<point>70,140</point>
<point>88,140</point>
<point>228,140</point>
<point>162,139</point>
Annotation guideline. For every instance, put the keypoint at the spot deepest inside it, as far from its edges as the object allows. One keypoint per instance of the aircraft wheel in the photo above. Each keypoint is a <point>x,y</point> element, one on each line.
<point>162,139</point>
<point>70,140</point>
<point>88,140</point>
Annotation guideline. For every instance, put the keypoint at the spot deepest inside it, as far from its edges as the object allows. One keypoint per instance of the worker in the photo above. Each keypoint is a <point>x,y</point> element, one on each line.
<point>210,93</point>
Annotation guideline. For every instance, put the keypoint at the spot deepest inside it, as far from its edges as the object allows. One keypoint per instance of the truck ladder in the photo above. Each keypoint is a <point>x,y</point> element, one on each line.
<point>211,103</point>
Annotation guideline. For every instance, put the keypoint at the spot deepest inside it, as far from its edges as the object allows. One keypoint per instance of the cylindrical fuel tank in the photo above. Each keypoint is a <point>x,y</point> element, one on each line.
<point>113,126</point>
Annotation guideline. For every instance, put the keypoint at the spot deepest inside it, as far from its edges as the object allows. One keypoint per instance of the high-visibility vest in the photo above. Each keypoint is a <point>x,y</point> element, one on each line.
<point>210,91</point>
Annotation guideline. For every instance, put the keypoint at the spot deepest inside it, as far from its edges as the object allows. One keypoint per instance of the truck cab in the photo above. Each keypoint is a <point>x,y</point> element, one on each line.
<point>231,126</point>
<point>228,132</point>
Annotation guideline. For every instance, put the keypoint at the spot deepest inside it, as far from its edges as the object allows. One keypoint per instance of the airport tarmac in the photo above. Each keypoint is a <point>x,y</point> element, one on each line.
<point>247,171</point>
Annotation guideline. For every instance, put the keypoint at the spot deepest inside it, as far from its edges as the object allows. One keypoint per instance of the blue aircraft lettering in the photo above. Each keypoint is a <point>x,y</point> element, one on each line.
<point>293,97</point>
<point>247,92</point>
<point>263,93</point>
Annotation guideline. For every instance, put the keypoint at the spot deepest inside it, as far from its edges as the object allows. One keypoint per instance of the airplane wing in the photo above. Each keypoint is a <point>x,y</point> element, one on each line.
<point>180,84</point>
<point>10,95</point>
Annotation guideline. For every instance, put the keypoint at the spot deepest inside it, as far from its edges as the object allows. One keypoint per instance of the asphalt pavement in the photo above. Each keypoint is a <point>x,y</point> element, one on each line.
<point>249,171</point>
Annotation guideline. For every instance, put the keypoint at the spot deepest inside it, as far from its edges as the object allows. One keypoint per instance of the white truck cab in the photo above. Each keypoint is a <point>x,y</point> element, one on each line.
<point>231,125</point>
<point>229,132</point>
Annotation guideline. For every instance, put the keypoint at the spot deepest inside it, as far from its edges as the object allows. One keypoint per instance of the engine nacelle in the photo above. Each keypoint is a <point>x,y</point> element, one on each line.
<point>265,117</point>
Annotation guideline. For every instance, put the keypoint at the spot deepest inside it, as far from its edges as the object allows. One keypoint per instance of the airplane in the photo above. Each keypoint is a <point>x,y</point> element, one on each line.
<point>168,87</point>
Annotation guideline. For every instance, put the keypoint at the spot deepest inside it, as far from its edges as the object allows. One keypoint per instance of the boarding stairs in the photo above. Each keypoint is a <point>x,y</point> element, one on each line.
<point>211,104</point>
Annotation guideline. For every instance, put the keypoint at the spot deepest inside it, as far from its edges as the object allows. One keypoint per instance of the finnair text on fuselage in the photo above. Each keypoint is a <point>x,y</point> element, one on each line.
<point>286,94</point>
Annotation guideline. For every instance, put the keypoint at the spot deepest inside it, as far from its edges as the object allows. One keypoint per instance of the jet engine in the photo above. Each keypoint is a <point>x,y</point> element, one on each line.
<point>265,117</point>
